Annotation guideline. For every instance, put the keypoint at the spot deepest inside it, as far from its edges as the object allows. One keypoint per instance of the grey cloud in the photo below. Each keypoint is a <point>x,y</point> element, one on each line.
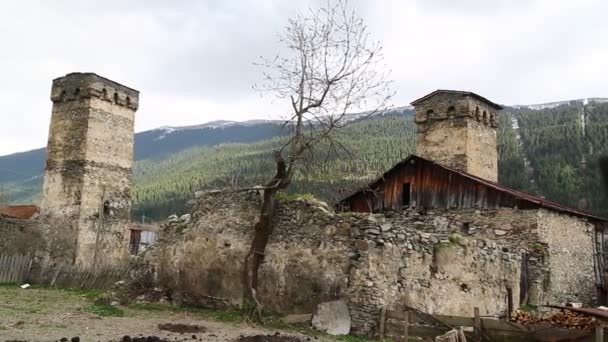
<point>197,55</point>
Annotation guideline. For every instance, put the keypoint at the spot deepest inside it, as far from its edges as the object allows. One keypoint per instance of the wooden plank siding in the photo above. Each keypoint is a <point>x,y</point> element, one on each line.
<point>431,187</point>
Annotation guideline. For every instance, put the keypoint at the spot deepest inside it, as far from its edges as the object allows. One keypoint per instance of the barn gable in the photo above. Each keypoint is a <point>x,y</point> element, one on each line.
<point>420,183</point>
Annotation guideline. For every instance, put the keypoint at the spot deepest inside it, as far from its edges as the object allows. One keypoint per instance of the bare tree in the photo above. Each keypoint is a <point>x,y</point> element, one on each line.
<point>330,67</point>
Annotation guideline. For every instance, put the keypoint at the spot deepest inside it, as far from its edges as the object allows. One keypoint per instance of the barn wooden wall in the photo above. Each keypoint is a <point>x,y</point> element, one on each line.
<point>431,187</point>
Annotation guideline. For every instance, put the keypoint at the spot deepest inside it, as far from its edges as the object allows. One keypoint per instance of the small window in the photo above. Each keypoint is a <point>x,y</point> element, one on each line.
<point>451,110</point>
<point>76,91</point>
<point>115,97</point>
<point>405,195</point>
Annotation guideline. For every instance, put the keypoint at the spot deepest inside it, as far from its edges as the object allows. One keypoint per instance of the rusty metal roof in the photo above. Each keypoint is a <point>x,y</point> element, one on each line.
<point>515,193</point>
<point>23,212</point>
<point>457,92</point>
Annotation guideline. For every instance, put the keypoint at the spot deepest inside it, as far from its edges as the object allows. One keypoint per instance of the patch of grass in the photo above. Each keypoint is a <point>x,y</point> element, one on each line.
<point>86,293</point>
<point>528,308</point>
<point>2,327</point>
<point>455,238</point>
<point>34,310</point>
<point>441,246</point>
<point>8,284</point>
<point>104,310</point>
<point>216,314</point>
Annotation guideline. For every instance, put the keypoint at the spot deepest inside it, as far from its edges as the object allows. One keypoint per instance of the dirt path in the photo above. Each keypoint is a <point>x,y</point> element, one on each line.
<point>50,315</point>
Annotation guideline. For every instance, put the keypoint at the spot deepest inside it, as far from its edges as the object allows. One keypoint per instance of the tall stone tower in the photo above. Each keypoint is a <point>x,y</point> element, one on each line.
<point>87,180</point>
<point>457,129</point>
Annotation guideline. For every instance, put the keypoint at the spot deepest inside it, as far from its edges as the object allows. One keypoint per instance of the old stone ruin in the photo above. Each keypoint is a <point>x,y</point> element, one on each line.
<point>436,233</point>
<point>86,197</point>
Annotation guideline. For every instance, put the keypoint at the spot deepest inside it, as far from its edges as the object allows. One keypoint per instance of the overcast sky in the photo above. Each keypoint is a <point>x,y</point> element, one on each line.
<point>192,60</point>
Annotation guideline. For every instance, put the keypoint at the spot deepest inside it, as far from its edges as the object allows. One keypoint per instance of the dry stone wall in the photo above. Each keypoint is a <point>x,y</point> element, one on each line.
<point>316,255</point>
<point>570,257</point>
<point>20,237</point>
<point>558,248</point>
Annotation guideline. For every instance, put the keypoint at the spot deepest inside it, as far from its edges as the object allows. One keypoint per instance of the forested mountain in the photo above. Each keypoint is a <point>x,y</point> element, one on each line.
<point>550,150</point>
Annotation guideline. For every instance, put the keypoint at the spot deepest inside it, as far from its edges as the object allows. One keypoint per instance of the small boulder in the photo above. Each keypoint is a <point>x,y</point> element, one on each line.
<point>362,245</point>
<point>185,218</point>
<point>332,318</point>
<point>386,227</point>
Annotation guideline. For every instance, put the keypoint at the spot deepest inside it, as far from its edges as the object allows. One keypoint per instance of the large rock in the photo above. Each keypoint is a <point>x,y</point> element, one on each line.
<point>332,317</point>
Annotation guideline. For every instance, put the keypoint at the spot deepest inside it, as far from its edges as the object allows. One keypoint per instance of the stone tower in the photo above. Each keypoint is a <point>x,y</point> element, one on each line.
<point>457,129</point>
<point>87,180</point>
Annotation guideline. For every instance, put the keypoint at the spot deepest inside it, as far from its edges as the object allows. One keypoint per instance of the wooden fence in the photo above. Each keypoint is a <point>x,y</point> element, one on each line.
<point>22,269</point>
<point>416,325</point>
<point>14,268</point>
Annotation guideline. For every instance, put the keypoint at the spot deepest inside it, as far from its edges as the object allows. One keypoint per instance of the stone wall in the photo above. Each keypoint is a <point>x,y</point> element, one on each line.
<point>570,257</point>
<point>437,273</point>
<point>20,237</point>
<point>307,260</point>
<point>558,248</point>
<point>316,255</point>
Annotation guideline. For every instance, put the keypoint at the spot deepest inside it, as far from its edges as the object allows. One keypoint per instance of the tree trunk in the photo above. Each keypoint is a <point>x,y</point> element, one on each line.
<point>262,231</point>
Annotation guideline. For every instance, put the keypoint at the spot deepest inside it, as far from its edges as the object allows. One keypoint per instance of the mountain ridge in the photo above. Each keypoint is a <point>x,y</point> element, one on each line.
<point>548,150</point>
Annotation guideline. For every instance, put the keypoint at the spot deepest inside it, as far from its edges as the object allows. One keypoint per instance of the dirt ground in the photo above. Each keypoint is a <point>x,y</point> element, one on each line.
<point>52,315</point>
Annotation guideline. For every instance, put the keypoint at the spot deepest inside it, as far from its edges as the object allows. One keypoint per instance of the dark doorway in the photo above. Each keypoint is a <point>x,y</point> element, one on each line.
<point>405,195</point>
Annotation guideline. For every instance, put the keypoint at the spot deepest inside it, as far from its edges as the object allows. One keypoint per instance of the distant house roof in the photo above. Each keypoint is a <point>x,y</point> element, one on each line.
<point>457,92</point>
<point>24,212</point>
<point>522,196</point>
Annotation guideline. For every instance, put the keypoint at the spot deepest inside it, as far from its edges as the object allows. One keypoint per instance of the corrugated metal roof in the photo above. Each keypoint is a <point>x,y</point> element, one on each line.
<point>515,193</point>
<point>457,92</point>
<point>23,212</point>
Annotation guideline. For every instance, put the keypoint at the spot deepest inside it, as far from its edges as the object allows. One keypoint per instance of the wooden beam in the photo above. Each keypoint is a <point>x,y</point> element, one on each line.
<point>382,321</point>
<point>477,327</point>
<point>406,327</point>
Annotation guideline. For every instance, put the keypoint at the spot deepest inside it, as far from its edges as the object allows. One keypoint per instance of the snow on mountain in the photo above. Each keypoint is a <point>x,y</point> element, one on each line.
<point>550,105</point>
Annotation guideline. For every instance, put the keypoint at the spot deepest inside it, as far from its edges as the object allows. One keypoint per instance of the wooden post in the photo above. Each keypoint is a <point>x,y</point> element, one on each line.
<point>599,333</point>
<point>99,227</point>
<point>382,321</point>
<point>406,327</point>
<point>509,301</point>
<point>477,328</point>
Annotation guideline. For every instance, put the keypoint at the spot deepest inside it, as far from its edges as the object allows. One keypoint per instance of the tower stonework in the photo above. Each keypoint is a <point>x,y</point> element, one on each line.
<point>457,129</point>
<point>87,179</point>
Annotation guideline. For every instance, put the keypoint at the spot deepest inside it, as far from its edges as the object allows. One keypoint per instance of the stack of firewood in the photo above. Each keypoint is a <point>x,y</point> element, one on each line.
<point>564,318</point>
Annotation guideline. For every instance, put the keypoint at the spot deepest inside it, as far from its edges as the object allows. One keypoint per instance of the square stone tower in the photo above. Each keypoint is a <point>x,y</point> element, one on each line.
<point>87,180</point>
<point>457,129</point>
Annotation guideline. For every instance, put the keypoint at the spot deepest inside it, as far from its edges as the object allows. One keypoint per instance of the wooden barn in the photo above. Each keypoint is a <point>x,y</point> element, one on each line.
<point>416,182</point>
